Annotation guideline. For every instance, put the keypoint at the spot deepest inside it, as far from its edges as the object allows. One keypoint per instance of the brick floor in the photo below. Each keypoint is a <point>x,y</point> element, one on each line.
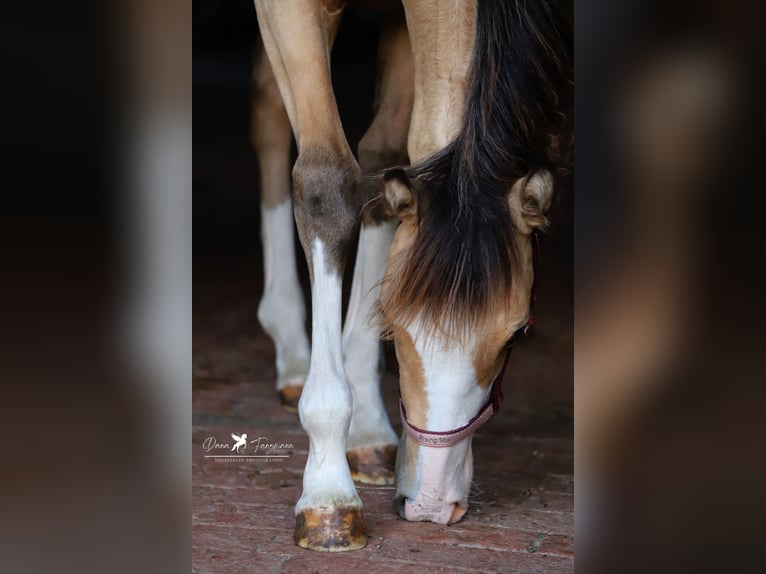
<point>521,510</point>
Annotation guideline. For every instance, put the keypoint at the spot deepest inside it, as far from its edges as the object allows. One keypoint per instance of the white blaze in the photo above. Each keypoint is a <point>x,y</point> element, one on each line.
<point>454,396</point>
<point>443,475</point>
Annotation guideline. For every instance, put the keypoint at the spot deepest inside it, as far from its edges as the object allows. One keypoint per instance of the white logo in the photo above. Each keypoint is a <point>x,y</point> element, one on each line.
<point>262,449</point>
<point>241,441</point>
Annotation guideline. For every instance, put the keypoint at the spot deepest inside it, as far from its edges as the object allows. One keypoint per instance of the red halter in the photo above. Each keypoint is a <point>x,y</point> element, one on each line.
<point>440,439</point>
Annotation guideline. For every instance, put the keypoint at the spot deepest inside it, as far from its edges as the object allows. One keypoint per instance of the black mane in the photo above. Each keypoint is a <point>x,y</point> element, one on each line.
<point>516,122</point>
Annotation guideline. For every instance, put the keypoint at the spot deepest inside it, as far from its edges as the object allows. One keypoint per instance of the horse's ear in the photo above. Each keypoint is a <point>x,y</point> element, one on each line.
<point>529,201</point>
<point>397,189</point>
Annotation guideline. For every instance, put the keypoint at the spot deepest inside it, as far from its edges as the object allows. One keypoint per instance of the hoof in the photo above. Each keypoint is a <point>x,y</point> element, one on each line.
<point>289,397</point>
<point>337,530</point>
<point>373,465</point>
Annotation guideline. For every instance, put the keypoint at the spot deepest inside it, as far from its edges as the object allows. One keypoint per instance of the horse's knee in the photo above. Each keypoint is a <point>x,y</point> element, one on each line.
<point>327,204</point>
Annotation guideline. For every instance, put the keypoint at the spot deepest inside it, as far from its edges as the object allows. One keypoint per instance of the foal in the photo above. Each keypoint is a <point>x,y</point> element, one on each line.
<point>487,131</point>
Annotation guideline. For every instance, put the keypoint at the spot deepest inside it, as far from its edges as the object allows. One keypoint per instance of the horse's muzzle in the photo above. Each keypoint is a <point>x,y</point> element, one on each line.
<point>440,513</point>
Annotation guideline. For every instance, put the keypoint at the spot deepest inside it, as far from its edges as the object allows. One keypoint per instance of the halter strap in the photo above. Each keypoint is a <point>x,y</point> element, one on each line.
<point>441,439</point>
<point>449,438</point>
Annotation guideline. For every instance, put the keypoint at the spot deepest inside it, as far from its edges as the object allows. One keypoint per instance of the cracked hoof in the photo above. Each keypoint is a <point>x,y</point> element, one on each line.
<point>373,465</point>
<point>289,397</point>
<point>326,530</point>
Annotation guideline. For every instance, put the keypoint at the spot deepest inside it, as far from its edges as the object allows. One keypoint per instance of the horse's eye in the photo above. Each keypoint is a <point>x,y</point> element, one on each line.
<point>525,329</point>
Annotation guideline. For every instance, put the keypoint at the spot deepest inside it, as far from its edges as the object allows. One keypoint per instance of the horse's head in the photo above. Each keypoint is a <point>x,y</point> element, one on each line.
<point>457,287</point>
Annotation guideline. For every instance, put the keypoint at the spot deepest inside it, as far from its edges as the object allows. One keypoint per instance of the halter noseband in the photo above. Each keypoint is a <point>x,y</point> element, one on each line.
<point>452,437</point>
<point>440,439</point>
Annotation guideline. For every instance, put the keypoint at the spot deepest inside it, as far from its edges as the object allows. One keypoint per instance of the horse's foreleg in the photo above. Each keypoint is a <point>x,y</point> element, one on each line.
<point>297,36</point>
<point>282,310</point>
<point>371,440</point>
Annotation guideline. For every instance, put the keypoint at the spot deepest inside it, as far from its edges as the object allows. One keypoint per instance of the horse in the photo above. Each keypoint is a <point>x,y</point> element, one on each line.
<point>453,180</point>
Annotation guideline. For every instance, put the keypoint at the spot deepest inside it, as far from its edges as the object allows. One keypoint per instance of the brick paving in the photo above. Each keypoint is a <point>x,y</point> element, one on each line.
<point>521,508</point>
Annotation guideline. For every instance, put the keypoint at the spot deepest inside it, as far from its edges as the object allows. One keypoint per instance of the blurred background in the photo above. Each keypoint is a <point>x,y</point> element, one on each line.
<point>667,376</point>
<point>97,274</point>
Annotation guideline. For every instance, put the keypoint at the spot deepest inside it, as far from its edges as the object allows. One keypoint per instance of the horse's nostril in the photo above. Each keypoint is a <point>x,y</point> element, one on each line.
<point>399,505</point>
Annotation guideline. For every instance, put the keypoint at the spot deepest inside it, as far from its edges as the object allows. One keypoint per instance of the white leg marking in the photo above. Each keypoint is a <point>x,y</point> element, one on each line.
<point>282,310</point>
<point>325,404</point>
<point>362,348</point>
